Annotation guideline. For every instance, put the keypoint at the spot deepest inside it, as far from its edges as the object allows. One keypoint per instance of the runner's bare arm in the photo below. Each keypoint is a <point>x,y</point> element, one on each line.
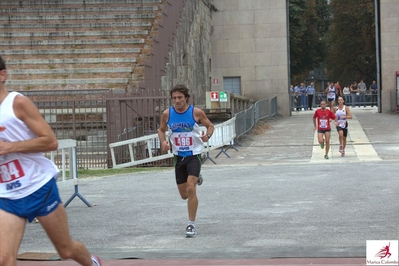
<point>162,131</point>
<point>348,112</point>
<point>26,111</point>
<point>201,117</point>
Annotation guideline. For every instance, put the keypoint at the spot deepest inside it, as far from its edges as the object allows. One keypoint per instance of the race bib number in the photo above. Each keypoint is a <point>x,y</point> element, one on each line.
<point>342,123</point>
<point>11,171</point>
<point>331,95</point>
<point>184,141</point>
<point>323,123</point>
<point>12,176</point>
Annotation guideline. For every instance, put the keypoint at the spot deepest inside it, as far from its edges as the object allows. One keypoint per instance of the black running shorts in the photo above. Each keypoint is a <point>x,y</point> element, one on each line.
<point>323,130</point>
<point>185,166</point>
<point>345,130</point>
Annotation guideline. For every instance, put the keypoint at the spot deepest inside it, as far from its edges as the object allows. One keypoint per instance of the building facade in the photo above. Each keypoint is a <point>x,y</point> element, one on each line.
<point>389,21</point>
<point>250,49</point>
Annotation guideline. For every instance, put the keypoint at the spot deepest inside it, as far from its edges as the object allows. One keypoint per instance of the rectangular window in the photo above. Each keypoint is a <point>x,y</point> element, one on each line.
<point>232,84</point>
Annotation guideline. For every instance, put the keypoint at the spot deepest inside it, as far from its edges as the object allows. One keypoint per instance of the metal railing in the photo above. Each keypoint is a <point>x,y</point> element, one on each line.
<point>223,134</point>
<point>359,100</point>
<point>393,98</point>
<point>124,153</point>
<point>66,156</point>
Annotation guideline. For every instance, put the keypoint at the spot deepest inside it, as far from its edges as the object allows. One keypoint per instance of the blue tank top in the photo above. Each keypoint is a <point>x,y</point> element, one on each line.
<point>184,132</point>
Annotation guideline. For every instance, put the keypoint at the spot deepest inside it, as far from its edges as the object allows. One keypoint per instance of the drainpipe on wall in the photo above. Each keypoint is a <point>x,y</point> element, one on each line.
<point>287,8</point>
<point>377,52</point>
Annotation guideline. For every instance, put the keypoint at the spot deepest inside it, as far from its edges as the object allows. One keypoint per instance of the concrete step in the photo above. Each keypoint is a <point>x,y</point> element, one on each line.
<point>35,43</point>
<point>130,65</point>
<point>94,25</point>
<point>62,87</point>
<point>65,71</point>
<point>75,2</point>
<point>74,63</point>
<point>69,78</point>
<point>103,149</point>
<point>88,143</point>
<point>73,34</point>
<point>71,51</point>
<point>68,81</point>
<point>75,18</point>
<point>96,139</point>
<point>73,10</point>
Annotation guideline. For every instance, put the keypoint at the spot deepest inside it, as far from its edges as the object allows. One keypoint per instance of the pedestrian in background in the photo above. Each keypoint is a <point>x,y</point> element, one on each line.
<point>347,94</point>
<point>362,93</point>
<point>310,90</point>
<point>303,97</point>
<point>373,90</point>
<point>354,93</point>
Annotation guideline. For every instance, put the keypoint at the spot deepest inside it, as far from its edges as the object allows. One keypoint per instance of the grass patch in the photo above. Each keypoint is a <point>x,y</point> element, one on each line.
<point>86,173</point>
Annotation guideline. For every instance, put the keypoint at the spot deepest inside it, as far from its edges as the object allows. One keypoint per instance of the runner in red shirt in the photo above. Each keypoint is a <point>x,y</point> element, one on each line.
<point>338,89</point>
<point>324,117</point>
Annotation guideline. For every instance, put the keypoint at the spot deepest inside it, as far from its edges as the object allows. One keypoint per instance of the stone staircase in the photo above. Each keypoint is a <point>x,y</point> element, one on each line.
<point>76,44</point>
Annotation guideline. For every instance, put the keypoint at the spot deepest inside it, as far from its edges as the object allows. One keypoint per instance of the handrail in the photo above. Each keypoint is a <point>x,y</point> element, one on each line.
<point>224,134</point>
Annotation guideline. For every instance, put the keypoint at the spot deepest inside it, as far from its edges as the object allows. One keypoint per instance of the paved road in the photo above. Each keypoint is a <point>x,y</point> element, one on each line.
<point>275,201</point>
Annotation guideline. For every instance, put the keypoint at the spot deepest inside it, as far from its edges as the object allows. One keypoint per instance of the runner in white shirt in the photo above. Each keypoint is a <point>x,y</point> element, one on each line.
<point>28,186</point>
<point>331,95</point>
<point>342,112</point>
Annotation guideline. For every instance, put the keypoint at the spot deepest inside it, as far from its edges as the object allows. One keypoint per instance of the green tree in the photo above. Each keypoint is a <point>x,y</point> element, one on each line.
<point>351,50</point>
<point>324,15</point>
<point>307,27</point>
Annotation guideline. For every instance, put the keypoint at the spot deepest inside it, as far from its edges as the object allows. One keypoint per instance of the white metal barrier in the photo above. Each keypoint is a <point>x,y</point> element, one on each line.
<point>223,135</point>
<point>133,147</point>
<point>68,149</point>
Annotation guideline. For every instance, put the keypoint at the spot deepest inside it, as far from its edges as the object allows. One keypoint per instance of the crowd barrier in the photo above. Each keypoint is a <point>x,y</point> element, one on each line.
<point>369,99</point>
<point>131,147</point>
<point>67,147</point>
<point>225,135</point>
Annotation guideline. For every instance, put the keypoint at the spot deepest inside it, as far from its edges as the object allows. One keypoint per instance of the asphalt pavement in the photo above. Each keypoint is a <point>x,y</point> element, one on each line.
<point>273,201</point>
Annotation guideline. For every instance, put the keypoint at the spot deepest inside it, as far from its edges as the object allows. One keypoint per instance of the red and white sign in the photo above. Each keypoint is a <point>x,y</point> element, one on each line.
<point>215,82</point>
<point>214,96</point>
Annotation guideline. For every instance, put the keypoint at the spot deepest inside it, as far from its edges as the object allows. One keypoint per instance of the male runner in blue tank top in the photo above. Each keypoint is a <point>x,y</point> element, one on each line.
<point>182,121</point>
<point>28,186</point>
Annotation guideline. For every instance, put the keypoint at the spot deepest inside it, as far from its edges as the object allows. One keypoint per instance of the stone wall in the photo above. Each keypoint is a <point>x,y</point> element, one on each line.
<point>389,50</point>
<point>249,40</point>
<point>189,57</point>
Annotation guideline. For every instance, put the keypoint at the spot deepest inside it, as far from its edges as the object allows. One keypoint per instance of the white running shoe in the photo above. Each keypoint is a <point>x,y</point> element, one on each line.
<point>96,260</point>
<point>190,231</point>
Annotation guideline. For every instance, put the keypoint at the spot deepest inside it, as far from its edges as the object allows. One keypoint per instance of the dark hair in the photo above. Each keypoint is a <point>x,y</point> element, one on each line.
<point>2,64</point>
<point>182,89</point>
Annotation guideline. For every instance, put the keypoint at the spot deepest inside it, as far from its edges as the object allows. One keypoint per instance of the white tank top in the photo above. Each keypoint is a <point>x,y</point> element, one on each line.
<point>338,114</point>
<point>185,134</point>
<point>331,92</point>
<point>21,174</point>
